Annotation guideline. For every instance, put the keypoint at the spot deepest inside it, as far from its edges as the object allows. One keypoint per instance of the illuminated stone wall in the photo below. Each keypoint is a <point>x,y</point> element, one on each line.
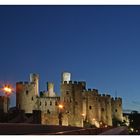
<point>108,110</point>
<point>67,100</point>
<point>103,109</point>
<point>89,103</point>
<point>72,99</point>
<point>117,108</point>
<point>78,88</point>
<point>25,96</point>
<point>48,104</point>
<point>92,113</point>
<point>49,119</point>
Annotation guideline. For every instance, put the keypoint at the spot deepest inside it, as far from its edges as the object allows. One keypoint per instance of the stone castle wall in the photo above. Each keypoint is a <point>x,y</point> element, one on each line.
<point>108,110</point>
<point>117,108</point>
<point>79,104</point>
<point>92,112</point>
<point>72,100</point>
<point>48,104</point>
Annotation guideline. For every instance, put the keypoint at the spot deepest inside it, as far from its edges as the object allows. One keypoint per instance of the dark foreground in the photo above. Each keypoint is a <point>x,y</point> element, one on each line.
<point>37,129</point>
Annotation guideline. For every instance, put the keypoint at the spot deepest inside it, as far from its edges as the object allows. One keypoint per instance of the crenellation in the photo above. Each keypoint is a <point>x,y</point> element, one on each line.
<point>21,82</point>
<point>95,90</point>
<point>108,95</point>
<point>65,82</point>
<point>99,95</point>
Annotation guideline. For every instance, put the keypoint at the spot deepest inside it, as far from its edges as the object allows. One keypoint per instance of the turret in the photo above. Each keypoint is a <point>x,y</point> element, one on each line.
<point>35,79</point>
<point>50,88</point>
<point>66,76</point>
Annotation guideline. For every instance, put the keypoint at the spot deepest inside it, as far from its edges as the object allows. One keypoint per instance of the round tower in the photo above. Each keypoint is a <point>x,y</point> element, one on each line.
<point>25,97</point>
<point>35,79</point>
<point>66,76</point>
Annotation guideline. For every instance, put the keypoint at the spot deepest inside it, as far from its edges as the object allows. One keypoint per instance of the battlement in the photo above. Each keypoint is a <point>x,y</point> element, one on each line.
<point>92,90</point>
<point>119,99</point>
<point>106,95</point>
<point>99,95</point>
<point>116,99</point>
<point>89,89</point>
<point>96,90</point>
<point>24,83</point>
<point>74,83</point>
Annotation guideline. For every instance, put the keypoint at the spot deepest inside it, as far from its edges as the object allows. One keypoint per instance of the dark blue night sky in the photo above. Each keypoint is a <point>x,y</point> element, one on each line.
<point>98,44</point>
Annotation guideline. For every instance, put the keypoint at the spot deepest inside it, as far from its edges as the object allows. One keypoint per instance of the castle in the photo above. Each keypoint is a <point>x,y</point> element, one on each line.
<point>79,106</point>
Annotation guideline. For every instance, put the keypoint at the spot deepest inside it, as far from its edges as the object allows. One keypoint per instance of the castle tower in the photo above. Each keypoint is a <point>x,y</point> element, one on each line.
<point>66,99</point>
<point>4,103</point>
<point>25,97</point>
<point>103,109</point>
<point>91,103</point>
<point>117,108</point>
<point>66,76</point>
<point>71,98</point>
<point>35,79</point>
<point>50,88</point>
<point>108,110</point>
